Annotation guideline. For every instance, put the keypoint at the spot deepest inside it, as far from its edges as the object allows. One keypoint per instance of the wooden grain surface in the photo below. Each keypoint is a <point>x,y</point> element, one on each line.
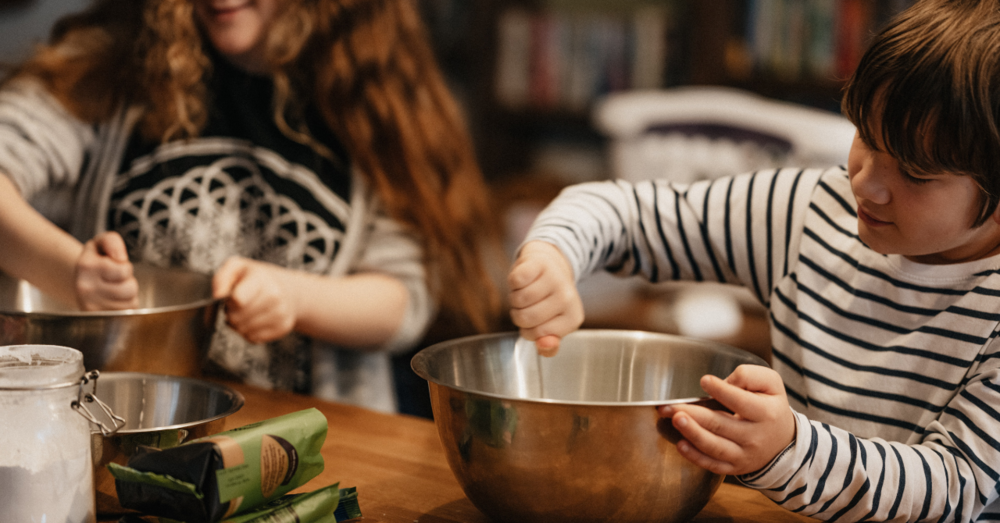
<point>402,476</point>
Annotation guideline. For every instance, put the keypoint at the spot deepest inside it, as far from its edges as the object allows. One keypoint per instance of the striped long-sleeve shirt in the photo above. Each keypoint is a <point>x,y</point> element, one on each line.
<point>890,366</point>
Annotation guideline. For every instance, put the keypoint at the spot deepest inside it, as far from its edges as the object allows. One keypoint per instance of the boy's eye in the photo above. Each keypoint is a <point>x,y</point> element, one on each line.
<point>915,176</point>
<point>914,179</point>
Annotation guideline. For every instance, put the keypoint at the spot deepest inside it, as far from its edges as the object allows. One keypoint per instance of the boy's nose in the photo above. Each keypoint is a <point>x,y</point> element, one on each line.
<point>868,185</point>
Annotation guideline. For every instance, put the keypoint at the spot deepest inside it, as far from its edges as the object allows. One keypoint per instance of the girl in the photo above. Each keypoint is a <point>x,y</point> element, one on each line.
<point>305,151</point>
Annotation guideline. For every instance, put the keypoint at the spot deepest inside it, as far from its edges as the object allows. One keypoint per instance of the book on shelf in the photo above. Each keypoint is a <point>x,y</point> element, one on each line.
<point>565,60</point>
<point>812,40</point>
<point>513,74</point>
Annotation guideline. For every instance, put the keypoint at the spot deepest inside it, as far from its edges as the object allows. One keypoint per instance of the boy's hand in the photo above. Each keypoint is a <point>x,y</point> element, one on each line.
<point>543,297</point>
<point>257,306</point>
<point>761,426</point>
<point>104,279</point>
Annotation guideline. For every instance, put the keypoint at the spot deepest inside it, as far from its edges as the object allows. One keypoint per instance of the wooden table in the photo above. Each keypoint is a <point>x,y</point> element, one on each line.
<point>402,476</point>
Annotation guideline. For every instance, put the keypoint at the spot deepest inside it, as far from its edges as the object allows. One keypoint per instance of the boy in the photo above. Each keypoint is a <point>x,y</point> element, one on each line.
<point>881,280</point>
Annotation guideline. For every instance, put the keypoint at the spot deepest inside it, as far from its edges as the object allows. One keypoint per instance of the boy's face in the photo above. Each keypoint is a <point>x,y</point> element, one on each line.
<point>238,29</point>
<point>926,217</point>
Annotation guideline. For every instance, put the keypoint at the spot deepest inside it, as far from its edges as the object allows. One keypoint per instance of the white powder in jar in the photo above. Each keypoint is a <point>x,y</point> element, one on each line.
<point>46,473</point>
<point>45,496</point>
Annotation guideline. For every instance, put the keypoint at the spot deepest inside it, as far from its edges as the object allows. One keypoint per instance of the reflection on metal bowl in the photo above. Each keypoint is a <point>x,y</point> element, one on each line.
<point>168,333</point>
<point>573,438</point>
<point>159,411</point>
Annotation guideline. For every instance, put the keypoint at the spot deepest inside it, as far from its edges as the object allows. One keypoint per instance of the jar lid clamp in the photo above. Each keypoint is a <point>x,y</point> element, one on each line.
<point>91,397</point>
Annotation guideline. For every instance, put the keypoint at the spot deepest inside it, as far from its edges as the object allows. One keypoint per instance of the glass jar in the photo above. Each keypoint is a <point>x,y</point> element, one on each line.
<point>45,466</point>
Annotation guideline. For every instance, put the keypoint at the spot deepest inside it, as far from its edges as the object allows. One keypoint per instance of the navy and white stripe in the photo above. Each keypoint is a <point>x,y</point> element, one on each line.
<point>891,366</point>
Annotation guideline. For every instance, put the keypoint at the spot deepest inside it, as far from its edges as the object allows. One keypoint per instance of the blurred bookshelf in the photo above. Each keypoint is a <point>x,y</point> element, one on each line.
<point>529,71</point>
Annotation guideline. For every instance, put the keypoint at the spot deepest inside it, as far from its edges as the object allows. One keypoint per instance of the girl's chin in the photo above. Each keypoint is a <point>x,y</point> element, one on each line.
<point>243,58</point>
<point>235,53</point>
<point>233,47</point>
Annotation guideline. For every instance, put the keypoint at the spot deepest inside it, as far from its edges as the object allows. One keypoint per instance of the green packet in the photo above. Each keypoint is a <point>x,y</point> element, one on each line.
<point>216,477</point>
<point>311,507</point>
<point>326,505</point>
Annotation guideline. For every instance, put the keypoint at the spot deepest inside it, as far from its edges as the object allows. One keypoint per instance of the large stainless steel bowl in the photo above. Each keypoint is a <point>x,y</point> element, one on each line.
<point>576,437</point>
<point>168,333</point>
<point>160,411</point>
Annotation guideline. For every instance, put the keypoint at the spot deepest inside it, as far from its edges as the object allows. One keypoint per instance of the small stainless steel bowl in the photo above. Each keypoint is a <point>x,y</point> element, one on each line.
<point>573,438</point>
<point>160,411</point>
<point>169,333</point>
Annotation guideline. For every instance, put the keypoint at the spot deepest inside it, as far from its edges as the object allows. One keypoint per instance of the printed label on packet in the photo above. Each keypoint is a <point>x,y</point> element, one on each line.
<point>233,481</point>
<point>278,463</point>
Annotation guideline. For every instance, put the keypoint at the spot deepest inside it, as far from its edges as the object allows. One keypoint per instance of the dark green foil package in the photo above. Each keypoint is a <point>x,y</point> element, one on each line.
<point>326,505</point>
<point>216,477</point>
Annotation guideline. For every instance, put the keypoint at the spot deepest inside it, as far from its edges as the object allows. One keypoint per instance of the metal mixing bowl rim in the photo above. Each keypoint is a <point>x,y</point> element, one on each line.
<point>576,403</point>
<point>114,313</point>
<point>419,365</point>
<point>238,399</point>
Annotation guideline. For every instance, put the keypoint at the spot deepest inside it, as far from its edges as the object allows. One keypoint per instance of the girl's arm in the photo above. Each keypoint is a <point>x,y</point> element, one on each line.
<point>383,303</point>
<point>34,248</point>
<point>94,276</point>
<point>265,302</point>
<point>42,146</point>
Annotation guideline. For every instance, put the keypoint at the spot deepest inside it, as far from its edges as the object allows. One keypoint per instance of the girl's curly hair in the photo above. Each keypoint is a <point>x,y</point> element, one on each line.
<point>365,65</point>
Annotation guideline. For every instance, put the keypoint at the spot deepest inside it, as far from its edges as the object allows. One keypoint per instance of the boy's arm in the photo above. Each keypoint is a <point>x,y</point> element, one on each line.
<point>951,474</point>
<point>711,230</point>
<point>729,230</point>
<point>822,471</point>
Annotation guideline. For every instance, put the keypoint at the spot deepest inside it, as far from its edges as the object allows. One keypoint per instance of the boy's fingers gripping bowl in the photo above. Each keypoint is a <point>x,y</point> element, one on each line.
<point>592,447</point>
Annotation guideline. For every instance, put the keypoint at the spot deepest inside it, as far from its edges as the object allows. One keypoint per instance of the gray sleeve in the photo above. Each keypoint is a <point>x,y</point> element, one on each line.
<point>390,248</point>
<point>42,145</point>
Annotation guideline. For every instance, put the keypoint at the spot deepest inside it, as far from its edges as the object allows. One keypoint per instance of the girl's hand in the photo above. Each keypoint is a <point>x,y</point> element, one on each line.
<point>257,304</point>
<point>104,279</point>
<point>760,427</point>
<point>543,297</point>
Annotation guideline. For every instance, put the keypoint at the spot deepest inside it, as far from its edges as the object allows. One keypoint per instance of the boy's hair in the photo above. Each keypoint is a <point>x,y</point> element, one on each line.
<point>926,91</point>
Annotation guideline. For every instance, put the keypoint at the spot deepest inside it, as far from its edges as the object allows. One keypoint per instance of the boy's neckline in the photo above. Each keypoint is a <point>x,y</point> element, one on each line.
<point>943,272</point>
